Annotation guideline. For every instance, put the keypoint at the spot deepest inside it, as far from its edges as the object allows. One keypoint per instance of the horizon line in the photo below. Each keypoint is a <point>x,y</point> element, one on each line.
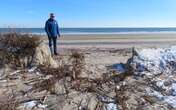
<point>94,27</point>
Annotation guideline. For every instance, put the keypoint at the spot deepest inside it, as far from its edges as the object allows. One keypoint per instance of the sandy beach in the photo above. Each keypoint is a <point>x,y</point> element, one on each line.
<point>103,70</point>
<point>118,41</point>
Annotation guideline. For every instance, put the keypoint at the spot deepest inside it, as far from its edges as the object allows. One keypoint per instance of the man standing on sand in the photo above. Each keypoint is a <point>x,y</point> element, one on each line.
<point>52,30</point>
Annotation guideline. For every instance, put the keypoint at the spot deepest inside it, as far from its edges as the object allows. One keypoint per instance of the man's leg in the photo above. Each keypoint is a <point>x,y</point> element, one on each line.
<point>55,45</point>
<point>50,44</point>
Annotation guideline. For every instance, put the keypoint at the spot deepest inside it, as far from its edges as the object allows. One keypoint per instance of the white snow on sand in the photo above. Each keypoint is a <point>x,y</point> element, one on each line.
<point>155,61</point>
<point>30,105</point>
<point>169,99</point>
<point>161,62</point>
<point>112,106</point>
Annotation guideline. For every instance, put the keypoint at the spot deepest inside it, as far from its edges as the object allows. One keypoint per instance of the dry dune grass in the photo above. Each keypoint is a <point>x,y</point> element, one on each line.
<point>15,46</point>
<point>72,71</point>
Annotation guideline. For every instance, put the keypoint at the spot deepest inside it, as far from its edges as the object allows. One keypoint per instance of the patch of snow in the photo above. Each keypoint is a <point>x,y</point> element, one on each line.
<point>155,61</point>
<point>160,62</point>
<point>112,106</point>
<point>42,106</point>
<point>32,69</point>
<point>30,105</point>
<point>173,89</point>
<point>109,106</point>
<point>160,83</point>
<point>170,100</point>
<point>166,85</point>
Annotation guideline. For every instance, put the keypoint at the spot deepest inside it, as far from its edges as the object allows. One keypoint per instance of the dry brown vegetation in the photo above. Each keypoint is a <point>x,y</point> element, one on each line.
<point>78,62</point>
<point>72,71</point>
<point>8,102</point>
<point>87,85</point>
<point>15,46</point>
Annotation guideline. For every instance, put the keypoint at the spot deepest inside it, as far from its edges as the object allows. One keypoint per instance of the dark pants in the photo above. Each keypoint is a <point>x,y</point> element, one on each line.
<point>53,42</point>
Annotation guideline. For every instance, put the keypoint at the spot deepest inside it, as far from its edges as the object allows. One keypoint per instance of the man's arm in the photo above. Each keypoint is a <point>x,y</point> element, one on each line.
<point>58,31</point>
<point>47,29</point>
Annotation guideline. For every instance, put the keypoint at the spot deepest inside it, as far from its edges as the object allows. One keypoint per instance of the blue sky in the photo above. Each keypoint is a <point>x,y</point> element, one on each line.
<point>89,13</point>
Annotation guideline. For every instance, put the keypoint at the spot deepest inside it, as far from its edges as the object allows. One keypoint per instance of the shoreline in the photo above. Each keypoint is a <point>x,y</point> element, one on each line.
<point>119,36</point>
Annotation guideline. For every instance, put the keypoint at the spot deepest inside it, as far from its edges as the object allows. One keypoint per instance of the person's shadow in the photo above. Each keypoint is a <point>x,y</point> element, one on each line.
<point>119,68</point>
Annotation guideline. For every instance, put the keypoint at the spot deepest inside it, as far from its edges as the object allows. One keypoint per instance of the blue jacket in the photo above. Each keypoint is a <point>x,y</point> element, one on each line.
<point>52,28</point>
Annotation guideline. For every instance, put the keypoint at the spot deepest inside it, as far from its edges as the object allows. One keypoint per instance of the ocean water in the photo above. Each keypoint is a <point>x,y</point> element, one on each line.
<point>75,31</point>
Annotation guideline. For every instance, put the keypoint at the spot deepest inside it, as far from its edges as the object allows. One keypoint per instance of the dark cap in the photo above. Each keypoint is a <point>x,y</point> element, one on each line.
<point>52,15</point>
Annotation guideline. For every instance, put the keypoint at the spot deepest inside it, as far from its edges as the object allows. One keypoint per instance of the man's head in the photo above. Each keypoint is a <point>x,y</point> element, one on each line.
<point>52,15</point>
